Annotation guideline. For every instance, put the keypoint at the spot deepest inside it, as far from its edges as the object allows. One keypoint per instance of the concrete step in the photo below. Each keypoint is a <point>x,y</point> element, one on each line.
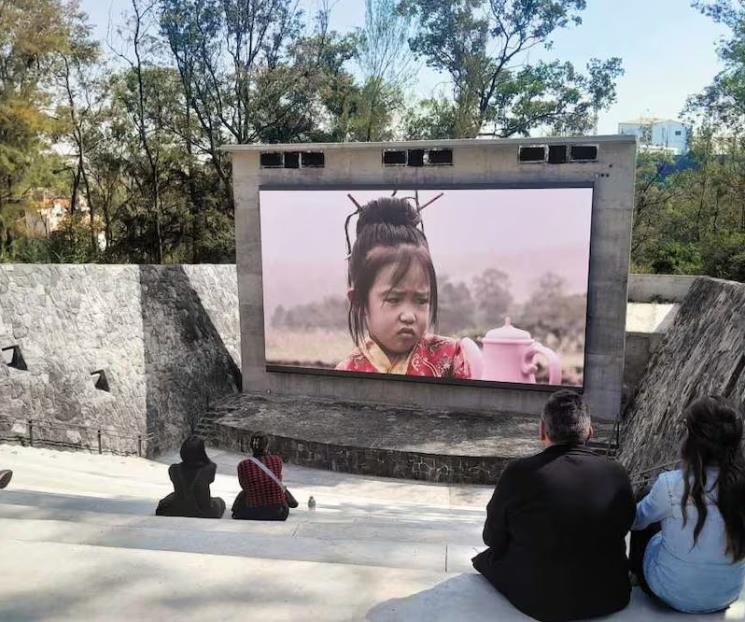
<point>265,545</point>
<point>100,583</point>
<point>106,476</point>
<point>320,524</point>
<point>116,584</point>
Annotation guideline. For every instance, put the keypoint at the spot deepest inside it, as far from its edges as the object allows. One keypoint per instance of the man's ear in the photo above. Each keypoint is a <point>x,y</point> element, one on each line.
<point>350,294</point>
<point>542,430</point>
<point>590,434</point>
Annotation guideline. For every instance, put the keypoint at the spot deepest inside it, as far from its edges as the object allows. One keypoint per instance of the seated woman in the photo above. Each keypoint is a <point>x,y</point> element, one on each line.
<point>262,497</point>
<point>191,484</point>
<point>691,552</point>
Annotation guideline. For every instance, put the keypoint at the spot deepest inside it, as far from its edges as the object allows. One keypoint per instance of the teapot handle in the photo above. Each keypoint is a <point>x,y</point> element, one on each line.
<point>554,362</point>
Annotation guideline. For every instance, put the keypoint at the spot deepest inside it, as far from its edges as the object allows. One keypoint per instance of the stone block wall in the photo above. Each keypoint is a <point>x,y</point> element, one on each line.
<point>703,352</point>
<point>187,362</point>
<point>165,337</point>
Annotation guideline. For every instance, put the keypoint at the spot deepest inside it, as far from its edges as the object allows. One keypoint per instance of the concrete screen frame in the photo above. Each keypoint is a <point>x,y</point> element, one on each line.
<point>492,162</point>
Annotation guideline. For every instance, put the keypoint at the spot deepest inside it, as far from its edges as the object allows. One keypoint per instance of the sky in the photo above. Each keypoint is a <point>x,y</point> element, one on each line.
<point>668,49</point>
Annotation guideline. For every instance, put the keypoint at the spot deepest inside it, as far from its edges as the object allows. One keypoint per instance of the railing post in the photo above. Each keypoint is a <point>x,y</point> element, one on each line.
<point>139,445</point>
<point>31,432</point>
<point>99,442</point>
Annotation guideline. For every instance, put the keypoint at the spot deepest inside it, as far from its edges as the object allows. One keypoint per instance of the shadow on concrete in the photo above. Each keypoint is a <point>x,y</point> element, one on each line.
<point>85,503</point>
<point>187,365</point>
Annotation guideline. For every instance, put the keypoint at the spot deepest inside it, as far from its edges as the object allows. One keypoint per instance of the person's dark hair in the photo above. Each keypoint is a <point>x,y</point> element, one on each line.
<point>258,444</point>
<point>566,417</point>
<point>193,454</point>
<point>714,438</point>
<point>387,233</point>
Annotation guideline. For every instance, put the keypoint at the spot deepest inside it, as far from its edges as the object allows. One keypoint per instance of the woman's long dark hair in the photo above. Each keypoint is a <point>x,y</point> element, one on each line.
<point>193,454</point>
<point>714,438</point>
<point>259,443</point>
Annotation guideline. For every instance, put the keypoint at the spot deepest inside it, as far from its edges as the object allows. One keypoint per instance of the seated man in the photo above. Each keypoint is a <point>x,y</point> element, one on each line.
<point>556,523</point>
<point>5,476</point>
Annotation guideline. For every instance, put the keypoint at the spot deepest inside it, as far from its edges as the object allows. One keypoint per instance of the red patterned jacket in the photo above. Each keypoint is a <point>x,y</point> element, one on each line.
<point>258,486</point>
<point>433,356</point>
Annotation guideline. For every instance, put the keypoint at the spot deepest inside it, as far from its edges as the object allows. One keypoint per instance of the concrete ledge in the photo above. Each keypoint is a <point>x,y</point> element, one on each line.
<point>430,445</point>
<point>659,287</point>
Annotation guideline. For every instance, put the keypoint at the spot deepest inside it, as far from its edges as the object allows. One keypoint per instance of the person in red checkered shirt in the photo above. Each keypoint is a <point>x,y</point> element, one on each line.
<point>261,498</point>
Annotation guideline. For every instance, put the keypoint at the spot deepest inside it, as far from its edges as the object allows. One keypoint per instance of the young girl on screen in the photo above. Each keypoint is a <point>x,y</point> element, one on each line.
<point>393,297</point>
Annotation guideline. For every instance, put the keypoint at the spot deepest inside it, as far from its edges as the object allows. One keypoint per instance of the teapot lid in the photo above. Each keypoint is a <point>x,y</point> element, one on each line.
<point>507,333</point>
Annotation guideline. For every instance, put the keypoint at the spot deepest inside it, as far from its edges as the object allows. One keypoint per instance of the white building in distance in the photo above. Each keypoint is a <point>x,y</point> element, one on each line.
<point>653,133</point>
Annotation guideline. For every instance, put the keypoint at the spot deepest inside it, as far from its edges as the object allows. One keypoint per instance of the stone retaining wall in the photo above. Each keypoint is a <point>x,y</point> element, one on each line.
<point>702,353</point>
<point>166,338</point>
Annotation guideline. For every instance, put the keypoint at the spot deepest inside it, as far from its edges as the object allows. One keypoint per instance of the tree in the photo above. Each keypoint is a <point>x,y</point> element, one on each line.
<point>493,297</point>
<point>456,309</point>
<point>79,115</point>
<point>33,33</point>
<point>385,62</point>
<point>482,46</point>
<point>722,103</point>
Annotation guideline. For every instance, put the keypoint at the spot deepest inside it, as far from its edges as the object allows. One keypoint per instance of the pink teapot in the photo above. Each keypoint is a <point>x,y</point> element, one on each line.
<point>509,355</point>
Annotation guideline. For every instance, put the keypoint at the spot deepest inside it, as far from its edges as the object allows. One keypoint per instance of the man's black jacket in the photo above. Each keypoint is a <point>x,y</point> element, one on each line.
<point>555,529</point>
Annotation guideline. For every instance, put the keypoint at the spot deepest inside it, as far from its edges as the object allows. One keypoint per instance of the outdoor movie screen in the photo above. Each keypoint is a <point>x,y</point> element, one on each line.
<point>486,284</point>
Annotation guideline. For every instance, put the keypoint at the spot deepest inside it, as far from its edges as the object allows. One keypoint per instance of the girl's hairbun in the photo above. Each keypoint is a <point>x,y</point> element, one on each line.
<point>389,211</point>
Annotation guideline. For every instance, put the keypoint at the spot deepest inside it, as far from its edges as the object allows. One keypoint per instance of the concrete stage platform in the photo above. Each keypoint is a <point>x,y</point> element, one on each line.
<point>436,446</point>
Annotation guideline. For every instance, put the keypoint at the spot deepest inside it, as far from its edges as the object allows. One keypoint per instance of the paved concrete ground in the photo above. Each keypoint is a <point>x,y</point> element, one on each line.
<point>79,542</point>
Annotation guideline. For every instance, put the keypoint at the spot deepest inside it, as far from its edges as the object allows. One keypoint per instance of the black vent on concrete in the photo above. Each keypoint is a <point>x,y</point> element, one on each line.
<point>102,383</point>
<point>583,153</point>
<point>292,159</point>
<point>394,157</point>
<point>557,154</point>
<point>313,159</point>
<point>532,153</point>
<point>271,159</point>
<point>416,157</point>
<point>440,157</point>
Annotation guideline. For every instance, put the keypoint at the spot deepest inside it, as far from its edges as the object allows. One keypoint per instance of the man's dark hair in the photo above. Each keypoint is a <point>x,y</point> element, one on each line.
<point>566,418</point>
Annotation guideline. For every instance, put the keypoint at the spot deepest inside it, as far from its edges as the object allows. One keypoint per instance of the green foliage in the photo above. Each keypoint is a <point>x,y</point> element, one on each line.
<point>724,256</point>
<point>139,140</point>
<point>691,219</point>
<point>483,47</point>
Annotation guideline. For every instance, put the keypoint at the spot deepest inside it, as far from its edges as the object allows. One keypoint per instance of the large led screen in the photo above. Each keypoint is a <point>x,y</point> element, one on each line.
<point>486,284</point>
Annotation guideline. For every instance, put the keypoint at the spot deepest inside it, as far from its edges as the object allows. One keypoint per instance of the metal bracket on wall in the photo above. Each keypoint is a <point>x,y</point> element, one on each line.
<point>16,359</point>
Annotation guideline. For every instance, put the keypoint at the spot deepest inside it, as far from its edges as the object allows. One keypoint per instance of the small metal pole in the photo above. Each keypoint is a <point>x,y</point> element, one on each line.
<point>139,445</point>
<point>31,432</point>
<point>99,442</point>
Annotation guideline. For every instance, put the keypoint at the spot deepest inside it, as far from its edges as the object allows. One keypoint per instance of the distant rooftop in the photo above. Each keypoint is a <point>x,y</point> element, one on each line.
<point>649,121</point>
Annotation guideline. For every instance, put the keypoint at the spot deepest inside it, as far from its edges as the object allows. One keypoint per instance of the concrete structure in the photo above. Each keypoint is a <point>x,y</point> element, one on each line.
<point>477,162</point>
<point>654,133</point>
<point>659,288</point>
<point>79,542</point>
